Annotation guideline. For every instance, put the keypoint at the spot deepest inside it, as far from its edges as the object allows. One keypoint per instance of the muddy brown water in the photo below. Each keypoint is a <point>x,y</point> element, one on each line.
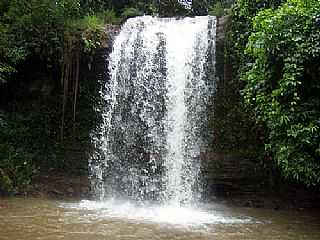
<point>41,219</point>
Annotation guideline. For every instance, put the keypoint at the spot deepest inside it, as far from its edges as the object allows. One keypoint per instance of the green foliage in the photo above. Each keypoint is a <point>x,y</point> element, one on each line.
<point>45,28</point>
<point>17,169</point>
<point>6,185</point>
<point>243,11</point>
<point>5,71</point>
<point>131,12</point>
<point>220,7</point>
<point>16,164</point>
<point>217,9</point>
<point>92,35</point>
<point>35,28</point>
<point>108,16</point>
<point>283,84</point>
<point>10,55</point>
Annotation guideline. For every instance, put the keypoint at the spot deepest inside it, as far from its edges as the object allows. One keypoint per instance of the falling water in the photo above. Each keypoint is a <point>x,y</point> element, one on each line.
<point>154,111</point>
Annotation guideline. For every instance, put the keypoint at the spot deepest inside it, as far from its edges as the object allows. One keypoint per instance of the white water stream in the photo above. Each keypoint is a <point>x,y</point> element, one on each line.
<point>154,111</point>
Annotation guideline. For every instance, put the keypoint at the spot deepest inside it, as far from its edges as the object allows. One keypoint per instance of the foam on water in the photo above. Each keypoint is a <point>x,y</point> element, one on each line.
<point>156,214</point>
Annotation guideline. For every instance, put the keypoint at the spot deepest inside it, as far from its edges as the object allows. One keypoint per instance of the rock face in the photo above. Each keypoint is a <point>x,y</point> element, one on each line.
<point>61,186</point>
<point>229,169</point>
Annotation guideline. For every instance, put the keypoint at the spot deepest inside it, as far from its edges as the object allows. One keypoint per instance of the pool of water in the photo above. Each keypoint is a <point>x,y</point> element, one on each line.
<point>31,219</point>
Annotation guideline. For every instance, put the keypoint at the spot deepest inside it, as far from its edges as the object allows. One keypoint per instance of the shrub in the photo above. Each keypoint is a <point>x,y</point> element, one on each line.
<point>283,85</point>
<point>217,9</point>
<point>131,12</point>
<point>16,168</point>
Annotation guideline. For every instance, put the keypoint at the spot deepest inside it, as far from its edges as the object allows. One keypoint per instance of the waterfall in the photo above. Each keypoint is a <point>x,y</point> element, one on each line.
<point>154,111</point>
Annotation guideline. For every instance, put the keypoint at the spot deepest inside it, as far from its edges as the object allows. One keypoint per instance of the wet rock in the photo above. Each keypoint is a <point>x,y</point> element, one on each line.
<point>70,191</point>
<point>111,32</point>
<point>56,192</point>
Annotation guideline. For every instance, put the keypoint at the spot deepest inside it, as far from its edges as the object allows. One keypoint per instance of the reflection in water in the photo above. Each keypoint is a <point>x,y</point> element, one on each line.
<point>31,219</point>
